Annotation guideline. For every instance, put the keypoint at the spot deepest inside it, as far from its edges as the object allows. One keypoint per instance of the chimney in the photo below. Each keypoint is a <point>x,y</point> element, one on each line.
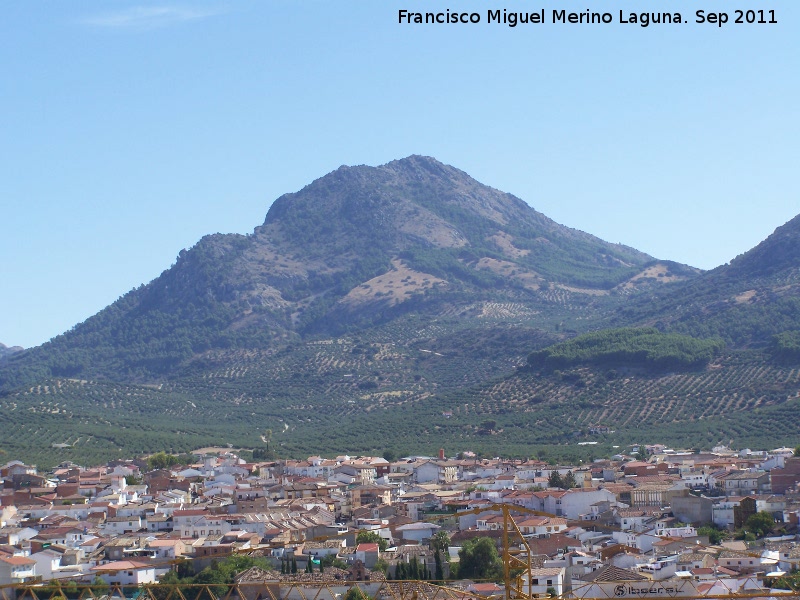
<point>441,453</point>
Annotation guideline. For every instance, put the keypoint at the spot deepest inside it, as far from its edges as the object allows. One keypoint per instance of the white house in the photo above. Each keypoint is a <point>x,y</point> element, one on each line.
<point>541,526</point>
<point>16,570</point>
<point>541,580</point>
<point>125,572</point>
<point>417,531</point>
<point>643,541</point>
<point>571,503</point>
<point>121,525</point>
<point>16,535</point>
<point>48,563</point>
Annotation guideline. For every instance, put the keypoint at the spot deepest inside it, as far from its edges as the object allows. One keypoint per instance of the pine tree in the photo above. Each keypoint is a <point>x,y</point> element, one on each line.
<point>414,569</point>
<point>439,572</point>
<point>555,481</point>
<point>294,565</point>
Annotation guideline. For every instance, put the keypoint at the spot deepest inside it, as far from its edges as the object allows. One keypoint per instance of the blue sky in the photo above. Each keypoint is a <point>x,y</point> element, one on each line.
<point>131,129</point>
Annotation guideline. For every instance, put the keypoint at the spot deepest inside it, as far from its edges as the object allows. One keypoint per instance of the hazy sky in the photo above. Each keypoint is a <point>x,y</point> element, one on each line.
<point>128,130</point>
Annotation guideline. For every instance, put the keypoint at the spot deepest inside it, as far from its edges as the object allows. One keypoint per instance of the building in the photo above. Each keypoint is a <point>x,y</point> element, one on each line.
<point>544,582</point>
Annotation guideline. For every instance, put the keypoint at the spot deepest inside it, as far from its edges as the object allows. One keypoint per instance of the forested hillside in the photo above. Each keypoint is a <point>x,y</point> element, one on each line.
<point>410,306</point>
<point>631,348</point>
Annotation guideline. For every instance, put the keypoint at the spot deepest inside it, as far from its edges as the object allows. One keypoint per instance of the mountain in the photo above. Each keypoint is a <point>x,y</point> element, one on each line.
<point>357,248</point>
<point>746,302</point>
<point>8,351</point>
<point>407,307</point>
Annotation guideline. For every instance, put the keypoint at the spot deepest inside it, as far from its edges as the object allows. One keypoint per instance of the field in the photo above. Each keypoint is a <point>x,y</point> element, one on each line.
<point>409,387</point>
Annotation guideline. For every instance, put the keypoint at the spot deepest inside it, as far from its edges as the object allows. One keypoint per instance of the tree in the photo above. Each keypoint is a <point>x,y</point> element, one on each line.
<point>555,481</point>
<point>787,582</point>
<point>371,537</point>
<point>797,451</point>
<point>389,455</point>
<point>478,559</point>
<point>440,541</point>
<point>356,593</point>
<point>568,482</point>
<point>714,535</point>
<point>99,585</point>
<point>487,427</point>
<point>294,565</point>
<point>161,460</point>
<point>413,569</point>
<point>760,523</point>
<point>382,566</point>
<point>331,560</point>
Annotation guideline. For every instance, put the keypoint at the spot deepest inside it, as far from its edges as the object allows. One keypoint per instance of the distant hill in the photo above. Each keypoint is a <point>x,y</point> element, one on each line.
<point>396,307</point>
<point>8,351</point>
<point>746,302</point>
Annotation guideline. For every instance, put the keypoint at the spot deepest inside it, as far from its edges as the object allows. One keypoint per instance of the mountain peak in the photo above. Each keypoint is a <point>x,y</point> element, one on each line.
<point>356,248</point>
<point>421,162</point>
<point>420,202</point>
<point>8,351</point>
<point>779,252</point>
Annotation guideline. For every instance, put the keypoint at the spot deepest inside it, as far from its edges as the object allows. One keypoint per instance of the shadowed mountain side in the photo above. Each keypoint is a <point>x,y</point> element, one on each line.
<point>356,248</point>
<point>400,304</point>
<point>747,302</point>
<point>8,351</point>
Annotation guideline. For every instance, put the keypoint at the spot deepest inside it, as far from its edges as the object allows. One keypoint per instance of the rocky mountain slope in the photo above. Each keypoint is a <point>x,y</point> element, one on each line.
<point>357,248</point>
<point>746,302</point>
<point>396,307</point>
<point>8,351</point>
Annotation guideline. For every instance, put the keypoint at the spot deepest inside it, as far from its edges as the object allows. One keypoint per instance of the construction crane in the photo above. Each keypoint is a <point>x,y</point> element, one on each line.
<point>515,569</point>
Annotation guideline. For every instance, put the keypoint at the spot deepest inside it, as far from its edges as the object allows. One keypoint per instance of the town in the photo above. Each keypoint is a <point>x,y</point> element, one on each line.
<point>654,521</point>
